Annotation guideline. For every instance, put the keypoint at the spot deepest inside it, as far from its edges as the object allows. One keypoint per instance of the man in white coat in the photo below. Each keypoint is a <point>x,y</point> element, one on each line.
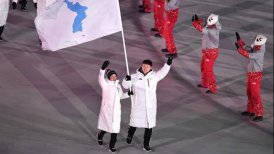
<point>110,112</point>
<point>144,104</point>
<point>4,9</point>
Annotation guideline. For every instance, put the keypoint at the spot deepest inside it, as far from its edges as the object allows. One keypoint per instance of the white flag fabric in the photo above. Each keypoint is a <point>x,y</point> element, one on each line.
<point>67,23</point>
<point>43,4</point>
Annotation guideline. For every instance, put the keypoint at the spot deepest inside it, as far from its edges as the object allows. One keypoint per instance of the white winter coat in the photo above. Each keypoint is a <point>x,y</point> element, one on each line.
<point>4,9</point>
<point>144,102</point>
<point>110,113</point>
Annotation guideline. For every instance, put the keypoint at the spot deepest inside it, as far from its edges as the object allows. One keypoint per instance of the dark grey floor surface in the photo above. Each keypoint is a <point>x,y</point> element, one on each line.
<point>49,101</point>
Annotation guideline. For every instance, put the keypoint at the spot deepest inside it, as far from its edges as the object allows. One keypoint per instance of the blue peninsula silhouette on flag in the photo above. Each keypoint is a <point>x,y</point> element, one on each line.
<point>67,23</point>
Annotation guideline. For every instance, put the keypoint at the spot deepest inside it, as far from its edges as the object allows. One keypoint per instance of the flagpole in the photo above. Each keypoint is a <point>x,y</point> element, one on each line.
<point>123,38</point>
<point>124,46</point>
<point>125,50</point>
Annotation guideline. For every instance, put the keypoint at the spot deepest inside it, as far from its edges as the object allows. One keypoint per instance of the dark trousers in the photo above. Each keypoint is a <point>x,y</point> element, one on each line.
<point>1,30</point>
<point>113,138</point>
<point>147,135</point>
<point>23,3</point>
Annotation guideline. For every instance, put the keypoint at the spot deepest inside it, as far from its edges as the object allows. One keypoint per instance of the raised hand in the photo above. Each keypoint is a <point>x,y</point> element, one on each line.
<point>238,36</point>
<point>196,17</point>
<point>237,45</point>
<point>105,65</point>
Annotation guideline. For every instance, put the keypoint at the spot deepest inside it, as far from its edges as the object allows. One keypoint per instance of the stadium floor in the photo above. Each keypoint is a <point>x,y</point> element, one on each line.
<point>49,101</point>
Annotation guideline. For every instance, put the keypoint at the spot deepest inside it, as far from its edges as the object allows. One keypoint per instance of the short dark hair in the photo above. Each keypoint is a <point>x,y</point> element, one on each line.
<point>148,62</point>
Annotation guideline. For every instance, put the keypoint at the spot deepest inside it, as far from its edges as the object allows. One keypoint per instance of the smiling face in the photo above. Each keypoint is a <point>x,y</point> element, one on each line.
<point>146,68</point>
<point>113,77</point>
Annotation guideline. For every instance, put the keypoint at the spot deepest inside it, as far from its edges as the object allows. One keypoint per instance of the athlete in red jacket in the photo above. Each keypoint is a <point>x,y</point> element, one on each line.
<point>255,55</point>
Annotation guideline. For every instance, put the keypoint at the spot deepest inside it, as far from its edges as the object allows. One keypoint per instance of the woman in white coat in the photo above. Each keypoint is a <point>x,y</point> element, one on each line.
<point>4,9</point>
<point>110,112</point>
<point>144,103</point>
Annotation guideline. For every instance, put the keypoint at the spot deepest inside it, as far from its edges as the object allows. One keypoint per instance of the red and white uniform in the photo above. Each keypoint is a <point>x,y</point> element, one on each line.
<point>255,55</point>
<point>146,6</point>
<point>159,9</point>
<point>210,51</point>
<point>172,13</point>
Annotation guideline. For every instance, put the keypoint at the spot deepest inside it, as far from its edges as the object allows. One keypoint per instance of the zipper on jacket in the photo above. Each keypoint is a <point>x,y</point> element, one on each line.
<point>148,82</point>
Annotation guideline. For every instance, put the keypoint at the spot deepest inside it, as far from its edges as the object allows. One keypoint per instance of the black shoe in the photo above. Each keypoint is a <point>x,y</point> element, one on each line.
<point>113,150</point>
<point>172,55</point>
<point>141,6</point>
<point>252,114</point>
<point>143,11</point>
<point>147,149</point>
<point>129,140</point>
<point>14,5</point>
<point>200,86</point>
<point>23,8</point>
<point>258,118</point>
<point>209,92</point>
<point>164,50</point>
<point>158,35</point>
<point>246,113</point>
<point>154,29</point>
<point>1,39</point>
<point>100,141</point>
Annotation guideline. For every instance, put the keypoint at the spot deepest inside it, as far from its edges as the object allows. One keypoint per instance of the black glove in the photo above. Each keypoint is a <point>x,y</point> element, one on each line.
<point>237,45</point>
<point>128,78</point>
<point>238,36</point>
<point>14,5</point>
<point>130,93</point>
<point>35,5</point>
<point>196,17</point>
<point>105,65</point>
<point>169,60</point>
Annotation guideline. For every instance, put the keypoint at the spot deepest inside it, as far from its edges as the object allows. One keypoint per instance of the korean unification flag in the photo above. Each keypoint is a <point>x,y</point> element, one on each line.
<point>67,23</point>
